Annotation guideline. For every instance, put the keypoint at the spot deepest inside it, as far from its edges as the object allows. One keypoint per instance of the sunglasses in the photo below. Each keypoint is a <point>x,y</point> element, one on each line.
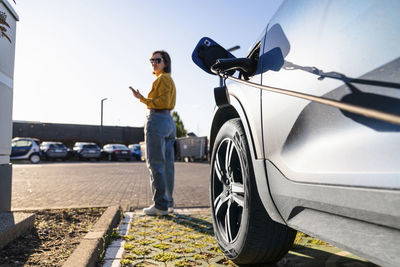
<point>155,60</point>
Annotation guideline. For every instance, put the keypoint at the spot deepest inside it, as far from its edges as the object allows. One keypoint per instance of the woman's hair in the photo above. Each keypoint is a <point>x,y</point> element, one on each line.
<point>166,58</point>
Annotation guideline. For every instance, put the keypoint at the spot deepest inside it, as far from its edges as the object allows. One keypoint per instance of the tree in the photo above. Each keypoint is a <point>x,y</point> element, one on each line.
<point>180,128</point>
<point>3,26</point>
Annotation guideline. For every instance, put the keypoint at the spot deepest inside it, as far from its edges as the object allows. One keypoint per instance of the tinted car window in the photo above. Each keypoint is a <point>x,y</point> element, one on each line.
<point>90,146</point>
<point>120,147</point>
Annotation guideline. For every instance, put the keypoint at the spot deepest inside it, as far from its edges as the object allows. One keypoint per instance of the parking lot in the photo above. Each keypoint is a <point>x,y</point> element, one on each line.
<point>52,185</point>
<point>93,184</point>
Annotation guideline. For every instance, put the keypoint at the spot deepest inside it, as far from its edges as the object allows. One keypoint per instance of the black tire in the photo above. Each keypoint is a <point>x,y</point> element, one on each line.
<point>243,228</point>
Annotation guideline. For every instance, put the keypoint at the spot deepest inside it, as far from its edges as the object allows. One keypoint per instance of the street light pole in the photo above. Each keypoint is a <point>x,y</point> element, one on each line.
<point>101,124</point>
<point>221,83</point>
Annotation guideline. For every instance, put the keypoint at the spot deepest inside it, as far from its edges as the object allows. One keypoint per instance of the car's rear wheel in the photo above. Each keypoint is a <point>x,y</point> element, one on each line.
<point>244,230</point>
<point>35,158</point>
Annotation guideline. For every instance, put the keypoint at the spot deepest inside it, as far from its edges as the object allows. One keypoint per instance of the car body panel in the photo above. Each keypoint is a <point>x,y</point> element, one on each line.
<point>135,151</point>
<point>116,152</point>
<point>308,141</point>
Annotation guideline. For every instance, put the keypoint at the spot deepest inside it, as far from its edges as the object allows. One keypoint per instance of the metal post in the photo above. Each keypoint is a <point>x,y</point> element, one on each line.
<point>101,124</point>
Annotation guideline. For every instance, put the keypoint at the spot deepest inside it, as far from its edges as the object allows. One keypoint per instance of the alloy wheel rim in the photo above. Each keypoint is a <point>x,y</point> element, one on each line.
<point>35,159</point>
<point>228,190</point>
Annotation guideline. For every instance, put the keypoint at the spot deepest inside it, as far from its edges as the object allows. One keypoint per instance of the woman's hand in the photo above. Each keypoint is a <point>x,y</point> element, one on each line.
<point>136,93</point>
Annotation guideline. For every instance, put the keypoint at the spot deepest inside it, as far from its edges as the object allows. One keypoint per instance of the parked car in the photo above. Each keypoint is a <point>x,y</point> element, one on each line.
<point>53,150</point>
<point>25,148</point>
<point>135,151</point>
<point>306,133</point>
<point>116,152</point>
<point>85,150</point>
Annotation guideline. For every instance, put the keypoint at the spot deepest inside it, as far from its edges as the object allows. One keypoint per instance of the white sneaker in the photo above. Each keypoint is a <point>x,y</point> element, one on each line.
<point>153,211</point>
<point>171,210</point>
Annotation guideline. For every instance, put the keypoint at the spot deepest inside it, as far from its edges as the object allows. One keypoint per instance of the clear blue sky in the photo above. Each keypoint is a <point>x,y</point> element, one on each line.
<point>72,53</point>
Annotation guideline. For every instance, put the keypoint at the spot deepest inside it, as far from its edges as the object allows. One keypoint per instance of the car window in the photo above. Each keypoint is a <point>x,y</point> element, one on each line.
<point>90,146</point>
<point>22,143</point>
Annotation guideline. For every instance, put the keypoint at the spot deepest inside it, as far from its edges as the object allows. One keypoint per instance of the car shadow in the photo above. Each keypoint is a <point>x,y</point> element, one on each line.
<point>301,255</point>
<point>298,256</point>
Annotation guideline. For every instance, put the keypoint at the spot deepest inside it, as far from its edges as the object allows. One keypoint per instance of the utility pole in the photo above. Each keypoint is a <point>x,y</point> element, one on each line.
<point>101,124</point>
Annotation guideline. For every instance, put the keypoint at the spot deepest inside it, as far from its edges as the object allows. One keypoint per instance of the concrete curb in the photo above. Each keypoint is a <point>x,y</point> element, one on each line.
<point>93,244</point>
<point>14,224</point>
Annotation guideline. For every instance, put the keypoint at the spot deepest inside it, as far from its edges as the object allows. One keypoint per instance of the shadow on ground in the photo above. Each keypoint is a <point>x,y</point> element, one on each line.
<point>188,240</point>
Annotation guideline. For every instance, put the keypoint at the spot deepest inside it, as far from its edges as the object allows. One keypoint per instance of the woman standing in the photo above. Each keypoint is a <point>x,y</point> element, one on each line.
<point>160,134</point>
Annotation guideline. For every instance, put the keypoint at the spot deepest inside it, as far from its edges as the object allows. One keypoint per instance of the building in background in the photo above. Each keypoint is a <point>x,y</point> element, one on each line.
<point>71,133</point>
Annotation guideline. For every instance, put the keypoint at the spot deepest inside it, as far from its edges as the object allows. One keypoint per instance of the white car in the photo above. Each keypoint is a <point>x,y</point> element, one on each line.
<point>306,133</point>
<point>25,149</point>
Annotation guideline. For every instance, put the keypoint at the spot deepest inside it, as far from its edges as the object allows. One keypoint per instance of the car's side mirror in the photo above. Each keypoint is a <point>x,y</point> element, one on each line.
<point>207,52</point>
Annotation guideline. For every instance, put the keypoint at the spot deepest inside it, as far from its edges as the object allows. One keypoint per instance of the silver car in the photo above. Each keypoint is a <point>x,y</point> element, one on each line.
<point>53,150</point>
<point>306,133</point>
<point>86,150</point>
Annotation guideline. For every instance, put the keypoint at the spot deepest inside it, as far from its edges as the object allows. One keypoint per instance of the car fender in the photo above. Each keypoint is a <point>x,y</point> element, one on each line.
<point>235,110</point>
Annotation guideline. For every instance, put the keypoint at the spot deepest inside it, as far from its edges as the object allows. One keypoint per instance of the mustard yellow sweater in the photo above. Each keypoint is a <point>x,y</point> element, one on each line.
<point>162,94</point>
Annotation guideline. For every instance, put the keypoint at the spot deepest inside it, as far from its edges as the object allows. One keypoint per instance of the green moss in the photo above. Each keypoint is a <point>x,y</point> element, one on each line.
<point>194,236</point>
<point>179,240</point>
<point>162,246</point>
<point>163,237</point>
<point>183,250</point>
<point>183,263</point>
<point>200,257</point>
<point>143,233</point>
<point>159,230</point>
<point>178,233</point>
<point>215,249</point>
<point>130,257</point>
<point>198,245</point>
<point>317,242</point>
<point>142,251</point>
<point>187,229</point>
<point>144,242</point>
<point>209,239</point>
<point>125,262</point>
<point>164,257</point>
<point>129,246</point>
<point>128,237</point>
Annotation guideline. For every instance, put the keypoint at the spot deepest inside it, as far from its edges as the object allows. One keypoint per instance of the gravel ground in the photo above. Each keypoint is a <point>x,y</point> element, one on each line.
<point>55,235</point>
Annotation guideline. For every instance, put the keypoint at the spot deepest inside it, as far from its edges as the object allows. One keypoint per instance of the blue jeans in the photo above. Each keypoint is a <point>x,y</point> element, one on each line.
<point>160,132</point>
